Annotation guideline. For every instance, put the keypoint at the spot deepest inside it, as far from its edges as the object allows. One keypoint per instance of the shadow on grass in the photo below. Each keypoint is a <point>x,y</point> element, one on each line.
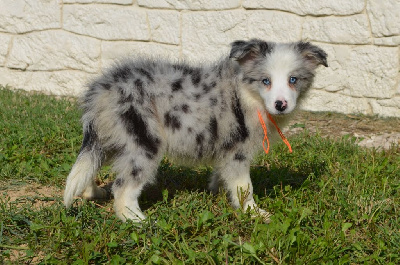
<point>265,180</point>
<point>176,179</point>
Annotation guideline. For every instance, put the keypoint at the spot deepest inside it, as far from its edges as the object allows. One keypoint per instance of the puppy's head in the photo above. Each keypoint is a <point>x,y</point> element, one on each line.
<point>278,72</point>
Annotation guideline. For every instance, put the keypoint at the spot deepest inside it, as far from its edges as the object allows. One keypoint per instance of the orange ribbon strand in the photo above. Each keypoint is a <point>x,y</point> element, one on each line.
<point>266,150</point>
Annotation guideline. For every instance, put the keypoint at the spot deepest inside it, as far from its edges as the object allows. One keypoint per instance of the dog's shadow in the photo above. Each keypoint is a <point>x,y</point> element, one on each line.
<point>265,179</point>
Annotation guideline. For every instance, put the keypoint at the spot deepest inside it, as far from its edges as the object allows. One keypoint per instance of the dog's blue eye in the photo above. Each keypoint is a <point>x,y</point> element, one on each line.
<point>266,82</point>
<point>292,80</point>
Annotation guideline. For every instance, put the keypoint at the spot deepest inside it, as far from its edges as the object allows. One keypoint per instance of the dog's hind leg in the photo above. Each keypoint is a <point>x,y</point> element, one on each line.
<point>81,179</point>
<point>134,171</point>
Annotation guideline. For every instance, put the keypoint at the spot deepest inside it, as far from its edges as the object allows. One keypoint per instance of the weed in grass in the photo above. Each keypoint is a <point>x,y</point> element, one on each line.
<point>333,203</point>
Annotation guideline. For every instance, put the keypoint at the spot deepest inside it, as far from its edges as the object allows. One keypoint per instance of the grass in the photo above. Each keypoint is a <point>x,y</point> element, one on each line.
<point>333,203</point>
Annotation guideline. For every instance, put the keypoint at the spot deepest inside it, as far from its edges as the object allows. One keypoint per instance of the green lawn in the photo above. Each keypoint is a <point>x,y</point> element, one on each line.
<point>333,202</point>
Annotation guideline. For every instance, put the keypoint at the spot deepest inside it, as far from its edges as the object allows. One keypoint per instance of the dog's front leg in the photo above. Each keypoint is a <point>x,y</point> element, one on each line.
<point>236,177</point>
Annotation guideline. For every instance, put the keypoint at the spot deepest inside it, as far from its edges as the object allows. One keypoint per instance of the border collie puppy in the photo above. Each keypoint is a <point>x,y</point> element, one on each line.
<point>143,109</point>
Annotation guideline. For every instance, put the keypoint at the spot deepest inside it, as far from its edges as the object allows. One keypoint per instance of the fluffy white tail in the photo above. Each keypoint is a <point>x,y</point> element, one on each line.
<point>81,176</point>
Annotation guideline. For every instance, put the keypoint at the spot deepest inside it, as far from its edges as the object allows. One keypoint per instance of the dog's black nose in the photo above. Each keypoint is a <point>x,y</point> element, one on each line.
<point>280,105</point>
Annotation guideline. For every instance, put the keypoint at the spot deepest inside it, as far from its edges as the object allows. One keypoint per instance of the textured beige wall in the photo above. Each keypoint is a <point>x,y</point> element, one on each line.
<point>56,46</point>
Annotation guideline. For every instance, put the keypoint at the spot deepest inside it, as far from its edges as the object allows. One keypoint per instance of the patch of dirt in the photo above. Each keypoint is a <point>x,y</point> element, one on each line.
<point>370,132</point>
<point>21,193</point>
<point>19,253</point>
<point>38,195</point>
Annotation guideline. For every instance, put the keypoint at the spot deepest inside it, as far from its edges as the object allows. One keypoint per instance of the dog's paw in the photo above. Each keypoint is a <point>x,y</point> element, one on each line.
<point>131,215</point>
<point>258,212</point>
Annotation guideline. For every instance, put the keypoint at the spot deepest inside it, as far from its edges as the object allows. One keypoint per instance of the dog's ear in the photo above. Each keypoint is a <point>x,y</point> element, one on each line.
<point>244,51</point>
<point>312,54</point>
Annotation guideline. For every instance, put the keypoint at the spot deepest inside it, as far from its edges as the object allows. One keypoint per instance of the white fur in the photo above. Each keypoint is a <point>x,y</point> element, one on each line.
<point>81,180</point>
<point>126,203</point>
<point>279,67</point>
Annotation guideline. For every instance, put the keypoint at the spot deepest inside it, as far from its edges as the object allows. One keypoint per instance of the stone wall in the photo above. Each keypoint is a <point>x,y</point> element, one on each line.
<point>55,46</point>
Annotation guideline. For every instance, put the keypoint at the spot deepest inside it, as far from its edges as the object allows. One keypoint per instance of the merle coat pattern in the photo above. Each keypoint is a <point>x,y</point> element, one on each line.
<point>143,109</point>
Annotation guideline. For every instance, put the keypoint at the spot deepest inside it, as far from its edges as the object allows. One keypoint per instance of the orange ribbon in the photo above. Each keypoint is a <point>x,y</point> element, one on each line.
<point>266,150</point>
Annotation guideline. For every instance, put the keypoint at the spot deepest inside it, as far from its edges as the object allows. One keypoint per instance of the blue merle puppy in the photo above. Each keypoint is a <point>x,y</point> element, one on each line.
<point>143,109</point>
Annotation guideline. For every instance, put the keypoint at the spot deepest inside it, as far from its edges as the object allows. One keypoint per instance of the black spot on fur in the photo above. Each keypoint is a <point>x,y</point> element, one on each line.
<point>240,156</point>
<point>106,86</point>
<point>237,110</point>
<point>172,121</point>
<point>241,133</point>
<point>213,128</point>
<point>219,72</point>
<point>124,98</point>
<point>145,73</point>
<point>229,144</point>
<point>119,182</point>
<point>122,73</point>
<point>194,72</point>
<point>89,138</point>
<point>208,87</point>
<point>223,104</point>
<point>199,141</point>
<point>196,76</point>
<point>137,127</point>
<point>197,96</point>
<point>177,66</point>
<point>186,70</point>
<point>185,108</point>
<point>213,101</point>
<point>136,171</point>
<point>139,86</point>
<point>177,85</point>
<point>190,130</point>
<point>199,138</point>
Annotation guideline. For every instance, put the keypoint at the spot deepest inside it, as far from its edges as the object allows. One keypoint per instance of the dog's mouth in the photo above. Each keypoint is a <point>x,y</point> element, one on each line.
<point>275,112</point>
